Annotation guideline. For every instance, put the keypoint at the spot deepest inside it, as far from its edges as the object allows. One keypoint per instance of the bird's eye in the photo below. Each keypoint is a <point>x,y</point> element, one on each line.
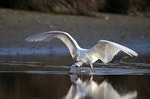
<point>76,66</point>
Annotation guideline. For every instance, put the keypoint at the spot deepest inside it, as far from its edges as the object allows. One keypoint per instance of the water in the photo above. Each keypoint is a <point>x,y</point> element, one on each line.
<point>34,85</point>
<point>47,77</point>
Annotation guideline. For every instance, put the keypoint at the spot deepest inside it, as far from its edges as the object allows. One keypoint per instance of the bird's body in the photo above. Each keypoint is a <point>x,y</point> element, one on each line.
<point>103,50</point>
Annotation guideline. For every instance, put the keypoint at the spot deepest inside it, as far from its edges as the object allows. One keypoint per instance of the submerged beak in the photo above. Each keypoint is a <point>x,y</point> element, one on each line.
<point>73,70</point>
<point>75,66</point>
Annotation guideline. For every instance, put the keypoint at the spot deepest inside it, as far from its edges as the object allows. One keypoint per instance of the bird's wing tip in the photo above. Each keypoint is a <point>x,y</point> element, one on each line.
<point>136,54</point>
<point>28,39</point>
<point>133,53</point>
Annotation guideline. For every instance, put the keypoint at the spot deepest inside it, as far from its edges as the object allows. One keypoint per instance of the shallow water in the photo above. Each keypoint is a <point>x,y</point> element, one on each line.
<point>47,77</point>
<point>36,85</point>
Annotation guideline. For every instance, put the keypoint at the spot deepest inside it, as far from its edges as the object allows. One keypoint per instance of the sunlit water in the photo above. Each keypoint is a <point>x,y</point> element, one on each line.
<point>47,77</point>
<point>99,68</point>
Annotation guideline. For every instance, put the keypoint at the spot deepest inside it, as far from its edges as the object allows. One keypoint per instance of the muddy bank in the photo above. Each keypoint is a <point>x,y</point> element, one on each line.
<point>15,26</point>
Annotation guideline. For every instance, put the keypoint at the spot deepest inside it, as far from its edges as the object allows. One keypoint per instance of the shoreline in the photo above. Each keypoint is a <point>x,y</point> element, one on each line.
<point>129,31</point>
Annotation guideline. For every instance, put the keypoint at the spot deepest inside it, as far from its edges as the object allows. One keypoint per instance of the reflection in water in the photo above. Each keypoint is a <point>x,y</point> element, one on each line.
<point>91,90</point>
<point>23,85</point>
<point>39,80</point>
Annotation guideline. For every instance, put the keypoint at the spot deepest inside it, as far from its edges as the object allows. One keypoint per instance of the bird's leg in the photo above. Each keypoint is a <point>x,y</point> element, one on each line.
<point>91,67</point>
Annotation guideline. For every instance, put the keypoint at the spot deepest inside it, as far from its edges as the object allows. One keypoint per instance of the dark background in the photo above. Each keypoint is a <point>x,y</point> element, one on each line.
<point>81,7</point>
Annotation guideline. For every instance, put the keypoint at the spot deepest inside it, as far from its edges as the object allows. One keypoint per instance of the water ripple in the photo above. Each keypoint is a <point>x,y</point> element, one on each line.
<point>99,68</point>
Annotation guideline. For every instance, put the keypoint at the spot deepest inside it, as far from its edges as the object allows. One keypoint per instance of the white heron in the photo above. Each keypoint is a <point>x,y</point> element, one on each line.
<point>103,50</point>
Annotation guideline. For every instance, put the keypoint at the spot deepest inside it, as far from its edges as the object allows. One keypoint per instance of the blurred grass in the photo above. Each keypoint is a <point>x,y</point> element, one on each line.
<point>81,7</point>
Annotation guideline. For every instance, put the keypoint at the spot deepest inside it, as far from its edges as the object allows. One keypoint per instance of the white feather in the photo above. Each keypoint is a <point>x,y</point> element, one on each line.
<point>63,36</point>
<point>106,50</point>
<point>103,50</point>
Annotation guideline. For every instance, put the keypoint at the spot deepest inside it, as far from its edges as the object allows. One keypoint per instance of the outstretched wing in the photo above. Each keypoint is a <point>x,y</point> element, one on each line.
<point>63,36</point>
<point>106,50</point>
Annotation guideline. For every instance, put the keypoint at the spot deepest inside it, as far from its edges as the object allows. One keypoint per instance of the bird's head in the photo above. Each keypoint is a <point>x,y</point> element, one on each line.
<point>75,66</point>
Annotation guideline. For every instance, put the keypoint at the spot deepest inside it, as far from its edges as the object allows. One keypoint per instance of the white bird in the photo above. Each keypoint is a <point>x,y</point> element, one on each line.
<point>103,50</point>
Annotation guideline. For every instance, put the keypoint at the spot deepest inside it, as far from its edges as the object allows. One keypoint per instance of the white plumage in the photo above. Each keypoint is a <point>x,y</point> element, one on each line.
<point>103,50</point>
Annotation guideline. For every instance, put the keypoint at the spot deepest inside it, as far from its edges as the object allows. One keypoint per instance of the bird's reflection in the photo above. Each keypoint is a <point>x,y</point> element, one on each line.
<point>91,90</point>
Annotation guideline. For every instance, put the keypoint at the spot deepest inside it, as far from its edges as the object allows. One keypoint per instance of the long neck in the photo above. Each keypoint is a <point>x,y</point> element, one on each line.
<point>75,42</point>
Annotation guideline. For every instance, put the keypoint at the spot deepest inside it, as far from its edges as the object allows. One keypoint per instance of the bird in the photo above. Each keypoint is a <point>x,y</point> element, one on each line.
<point>103,50</point>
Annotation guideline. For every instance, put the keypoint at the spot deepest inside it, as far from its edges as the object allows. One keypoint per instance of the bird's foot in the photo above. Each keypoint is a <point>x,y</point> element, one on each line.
<point>91,70</point>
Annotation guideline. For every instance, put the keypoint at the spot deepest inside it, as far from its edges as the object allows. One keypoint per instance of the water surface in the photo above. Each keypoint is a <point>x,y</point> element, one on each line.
<point>21,85</point>
<point>47,77</point>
